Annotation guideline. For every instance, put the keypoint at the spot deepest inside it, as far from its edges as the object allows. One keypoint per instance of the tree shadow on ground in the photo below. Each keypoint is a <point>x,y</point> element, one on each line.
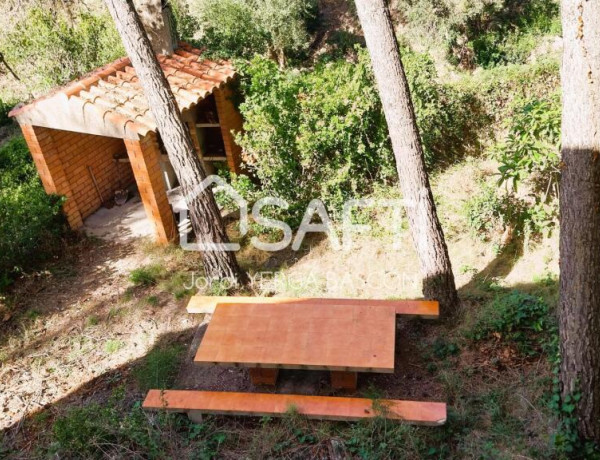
<point>23,439</point>
<point>56,287</point>
<point>499,267</point>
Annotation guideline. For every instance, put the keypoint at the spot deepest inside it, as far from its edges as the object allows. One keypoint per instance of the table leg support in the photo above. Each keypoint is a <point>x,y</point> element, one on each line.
<point>263,376</point>
<point>195,416</point>
<point>344,380</point>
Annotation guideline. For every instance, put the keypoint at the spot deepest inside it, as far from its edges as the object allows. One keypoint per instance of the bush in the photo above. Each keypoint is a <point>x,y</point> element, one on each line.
<point>48,47</point>
<point>508,31</point>
<point>186,25</point>
<point>240,28</point>
<point>490,212</point>
<point>31,222</point>
<point>518,318</point>
<point>321,133</point>
<point>499,90</point>
<point>530,150</point>
<point>242,184</point>
<point>450,118</point>
<point>484,33</point>
<point>312,134</point>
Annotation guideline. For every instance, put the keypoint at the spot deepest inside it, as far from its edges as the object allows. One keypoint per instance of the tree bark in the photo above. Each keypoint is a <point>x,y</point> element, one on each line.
<point>204,214</point>
<point>425,228</point>
<point>579,304</point>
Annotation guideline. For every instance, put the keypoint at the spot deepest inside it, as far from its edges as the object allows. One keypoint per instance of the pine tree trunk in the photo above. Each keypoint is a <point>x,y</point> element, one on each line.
<point>579,304</point>
<point>204,214</point>
<point>426,231</point>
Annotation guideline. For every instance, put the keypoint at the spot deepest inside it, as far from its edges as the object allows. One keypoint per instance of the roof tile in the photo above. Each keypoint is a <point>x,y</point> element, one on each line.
<point>114,90</point>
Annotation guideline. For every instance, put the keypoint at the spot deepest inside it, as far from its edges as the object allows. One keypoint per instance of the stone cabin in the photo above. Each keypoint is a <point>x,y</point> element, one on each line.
<point>96,135</point>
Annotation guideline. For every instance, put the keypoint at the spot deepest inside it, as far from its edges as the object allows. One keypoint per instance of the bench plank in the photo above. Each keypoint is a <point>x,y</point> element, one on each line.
<point>428,309</point>
<point>315,407</point>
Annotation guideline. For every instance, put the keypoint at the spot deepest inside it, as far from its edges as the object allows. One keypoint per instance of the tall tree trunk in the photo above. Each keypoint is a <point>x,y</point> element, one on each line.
<point>204,214</point>
<point>579,304</point>
<point>426,231</point>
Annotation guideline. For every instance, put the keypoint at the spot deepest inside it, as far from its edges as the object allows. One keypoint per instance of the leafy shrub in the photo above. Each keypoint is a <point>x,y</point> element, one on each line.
<point>518,318</point>
<point>186,24</point>
<point>243,27</point>
<point>489,212</point>
<point>483,33</point>
<point>49,48</point>
<point>507,31</point>
<point>499,90</point>
<point>322,133</point>
<point>31,222</point>
<point>313,134</point>
<point>242,184</point>
<point>530,150</point>
<point>450,118</point>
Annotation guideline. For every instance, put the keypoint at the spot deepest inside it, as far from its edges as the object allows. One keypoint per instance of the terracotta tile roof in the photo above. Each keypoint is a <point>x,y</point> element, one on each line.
<point>113,95</point>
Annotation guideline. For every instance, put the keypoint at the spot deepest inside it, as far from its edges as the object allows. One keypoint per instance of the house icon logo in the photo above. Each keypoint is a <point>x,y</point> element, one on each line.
<point>218,184</point>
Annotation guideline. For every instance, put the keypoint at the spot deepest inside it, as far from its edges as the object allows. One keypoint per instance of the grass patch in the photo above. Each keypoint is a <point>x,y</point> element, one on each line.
<point>109,431</point>
<point>92,320</point>
<point>152,300</point>
<point>113,345</point>
<point>159,367</point>
<point>178,284</point>
<point>518,318</point>
<point>147,275</point>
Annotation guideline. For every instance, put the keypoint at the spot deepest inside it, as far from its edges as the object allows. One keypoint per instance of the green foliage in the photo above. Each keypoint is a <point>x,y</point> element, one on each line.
<point>106,431</point>
<point>322,133</point>
<point>5,107</point>
<point>186,25</point>
<point>314,134</point>
<point>442,348</point>
<point>566,438</point>
<point>48,47</point>
<point>529,153</point>
<point>521,319</point>
<point>159,367</point>
<point>31,222</point>
<point>240,28</point>
<point>113,345</point>
<point>490,211</point>
<point>242,184</point>
<point>508,31</point>
<point>483,33</point>
<point>147,275</point>
<point>530,150</point>
<point>449,118</point>
<point>379,438</point>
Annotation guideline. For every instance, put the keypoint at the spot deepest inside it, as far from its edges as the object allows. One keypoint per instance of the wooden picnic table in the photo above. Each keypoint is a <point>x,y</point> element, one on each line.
<point>265,337</point>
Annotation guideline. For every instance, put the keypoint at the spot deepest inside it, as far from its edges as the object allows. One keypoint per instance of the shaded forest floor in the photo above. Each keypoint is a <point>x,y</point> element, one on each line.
<point>82,340</point>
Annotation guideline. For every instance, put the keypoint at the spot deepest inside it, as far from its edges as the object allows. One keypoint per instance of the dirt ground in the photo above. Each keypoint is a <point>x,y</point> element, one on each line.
<point>71,333</point>
<point>55,337</point>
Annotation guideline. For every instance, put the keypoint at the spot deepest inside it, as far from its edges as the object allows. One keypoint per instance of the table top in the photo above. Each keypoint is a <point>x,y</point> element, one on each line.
<point>356,338</point>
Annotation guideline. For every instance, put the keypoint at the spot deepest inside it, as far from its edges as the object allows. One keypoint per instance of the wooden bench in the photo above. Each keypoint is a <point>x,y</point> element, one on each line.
<point>195,403</point>
<point>428,309</point>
